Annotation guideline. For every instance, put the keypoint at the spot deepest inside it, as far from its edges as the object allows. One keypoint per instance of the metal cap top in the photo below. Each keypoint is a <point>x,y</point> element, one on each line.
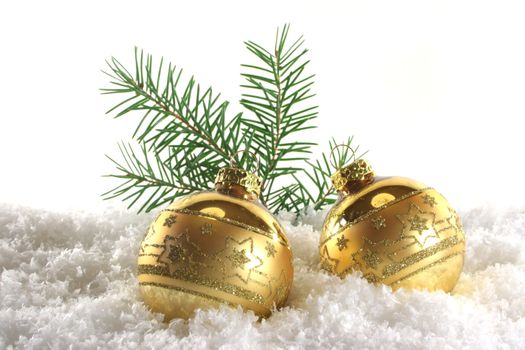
<point>357,173</point>
<point>235,176</point>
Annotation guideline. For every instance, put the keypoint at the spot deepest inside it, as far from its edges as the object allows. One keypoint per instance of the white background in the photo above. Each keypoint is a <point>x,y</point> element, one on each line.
<point>435,90</point>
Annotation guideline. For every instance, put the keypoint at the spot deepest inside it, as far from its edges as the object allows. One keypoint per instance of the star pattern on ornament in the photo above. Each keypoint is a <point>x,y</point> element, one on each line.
<point>327,262</point>
<point>379,222</point>
<point>170,220</point>
<point>456,219</point>
<point>238,259</point>
<point>381,251</point>
<point>342,242</point>
<point>428,199</point>
<point>270,250</point>
<point>448,226</point>
<point>178,253</point>
<point>451,223</point>
<point>418,224</point>
<point>371,259</point>
<point>206,229</point>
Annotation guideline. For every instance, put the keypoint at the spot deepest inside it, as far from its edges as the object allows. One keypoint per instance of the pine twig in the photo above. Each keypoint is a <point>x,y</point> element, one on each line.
<point>276,90</point>
<point>317,175</point>
<point>185,135</point>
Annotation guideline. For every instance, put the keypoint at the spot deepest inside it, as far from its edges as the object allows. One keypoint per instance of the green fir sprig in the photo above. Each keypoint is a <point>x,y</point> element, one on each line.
<point>317,191</point>
<point>185,134</point>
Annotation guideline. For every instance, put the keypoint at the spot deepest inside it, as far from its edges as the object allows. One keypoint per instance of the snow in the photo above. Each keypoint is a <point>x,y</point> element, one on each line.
<point>68,280</point>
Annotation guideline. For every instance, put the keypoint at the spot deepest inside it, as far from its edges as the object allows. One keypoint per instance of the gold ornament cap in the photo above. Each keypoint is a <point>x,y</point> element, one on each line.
<point>353,177</point>
<point>230,177</point>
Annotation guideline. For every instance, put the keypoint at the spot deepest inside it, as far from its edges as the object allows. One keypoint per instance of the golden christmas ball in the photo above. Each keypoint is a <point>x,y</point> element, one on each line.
<point>213,247</point>
<point>394,230</point>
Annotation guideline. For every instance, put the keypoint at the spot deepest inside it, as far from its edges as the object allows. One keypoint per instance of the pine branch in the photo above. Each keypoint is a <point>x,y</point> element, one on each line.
<point>185,135</point>
<point>175,115</point>
<point>144,175</point>
<point>182,126</point>
<point>318,174</point>
<point>276,90</point>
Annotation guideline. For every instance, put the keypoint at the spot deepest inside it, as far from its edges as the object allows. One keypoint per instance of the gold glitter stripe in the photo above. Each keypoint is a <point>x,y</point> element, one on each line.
<point>371,212</point>
<point>229,221</point>
<point>437,262</point>
<point>394,268</point>
<point>184,290</point>
<point>150,254</point>
<point>202,281</point>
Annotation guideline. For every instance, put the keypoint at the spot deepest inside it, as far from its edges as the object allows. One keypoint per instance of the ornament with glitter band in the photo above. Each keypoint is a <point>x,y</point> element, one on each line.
<point>212,247</point>
<point>394,230</point>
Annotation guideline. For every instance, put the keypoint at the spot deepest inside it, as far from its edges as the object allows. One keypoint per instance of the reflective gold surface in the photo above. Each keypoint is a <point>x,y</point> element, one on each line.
<point>395,231</point>
<point>215,247</point>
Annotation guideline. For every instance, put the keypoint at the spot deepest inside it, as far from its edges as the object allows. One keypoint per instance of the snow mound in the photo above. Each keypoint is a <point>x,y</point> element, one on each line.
<point>68,280</point>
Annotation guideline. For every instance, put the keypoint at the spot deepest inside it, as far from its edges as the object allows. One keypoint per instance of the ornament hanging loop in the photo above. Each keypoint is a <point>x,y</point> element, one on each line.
<point>254,156</point>
<point>333,151</point>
